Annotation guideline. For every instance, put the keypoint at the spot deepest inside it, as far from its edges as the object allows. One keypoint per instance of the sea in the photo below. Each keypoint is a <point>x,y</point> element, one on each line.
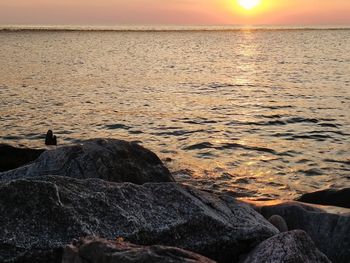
<point>262,113</point>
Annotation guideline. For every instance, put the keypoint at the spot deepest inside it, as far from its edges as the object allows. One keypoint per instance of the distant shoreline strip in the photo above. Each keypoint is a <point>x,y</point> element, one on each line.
<point>10,29</point>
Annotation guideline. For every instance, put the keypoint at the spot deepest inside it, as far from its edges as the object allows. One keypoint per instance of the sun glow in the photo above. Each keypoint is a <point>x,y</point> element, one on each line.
<point>249,4</point>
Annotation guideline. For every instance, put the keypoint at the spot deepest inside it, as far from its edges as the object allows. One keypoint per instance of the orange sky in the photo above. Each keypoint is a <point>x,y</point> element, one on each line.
<point>194,12</point>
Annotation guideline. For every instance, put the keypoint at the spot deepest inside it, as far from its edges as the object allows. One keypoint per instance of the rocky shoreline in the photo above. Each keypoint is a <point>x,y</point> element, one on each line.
<point>109,200</point>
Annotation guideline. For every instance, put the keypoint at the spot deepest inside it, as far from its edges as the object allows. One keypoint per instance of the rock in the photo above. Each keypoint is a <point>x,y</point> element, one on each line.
<point>279,223</point>
<point>292,247</point>
<point>111,160</point>
<point>39,215</point>
<point>328,197</point>
<point>98,250</point>
<point>330,232</point>
<point>50,139</point>
<point>303,206</point>
<point>13,157</point>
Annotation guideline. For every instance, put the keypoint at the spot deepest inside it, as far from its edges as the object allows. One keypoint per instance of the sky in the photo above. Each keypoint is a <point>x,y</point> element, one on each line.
<point>173,12</point>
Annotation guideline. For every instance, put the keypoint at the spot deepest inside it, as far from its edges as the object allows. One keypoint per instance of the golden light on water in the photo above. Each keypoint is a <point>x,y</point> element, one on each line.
<point>249,4</point>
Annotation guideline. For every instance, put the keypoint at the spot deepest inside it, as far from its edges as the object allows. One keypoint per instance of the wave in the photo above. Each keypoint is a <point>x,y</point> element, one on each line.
<point>347,162</point>
<point>117,126</point>
<point>224,146</point>
<point>177,132</point>
<point>278,120</point>
<point>312,172</point>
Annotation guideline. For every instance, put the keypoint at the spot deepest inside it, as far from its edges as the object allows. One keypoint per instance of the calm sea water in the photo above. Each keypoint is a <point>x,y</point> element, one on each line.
<point>261,113</point>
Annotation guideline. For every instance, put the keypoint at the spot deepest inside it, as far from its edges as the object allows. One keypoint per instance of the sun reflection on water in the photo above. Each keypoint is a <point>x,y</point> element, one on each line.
<point>241,117</point>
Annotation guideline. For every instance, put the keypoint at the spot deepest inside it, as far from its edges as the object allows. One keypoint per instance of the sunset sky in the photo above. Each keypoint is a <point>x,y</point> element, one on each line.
<point>184,12</point>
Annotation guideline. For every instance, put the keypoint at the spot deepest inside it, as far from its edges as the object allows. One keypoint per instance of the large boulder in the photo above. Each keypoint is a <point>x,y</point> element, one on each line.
<point>328,197</point>
<point>288,247</point>
<point>330,232</point>
<point>39,215</point>
<point>108,159</point>
<point>97,250</point>
<point>13,157</point>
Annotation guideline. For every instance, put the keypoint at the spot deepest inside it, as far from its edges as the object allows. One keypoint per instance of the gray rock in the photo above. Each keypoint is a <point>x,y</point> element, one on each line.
<point>39,215</point>
<point>108,159</point>
<point>279,223</point>
<point>96,250</point>
<point>13,157</point>
<point>289,247</point>
<point>330,232</point>
<point>328,197</point>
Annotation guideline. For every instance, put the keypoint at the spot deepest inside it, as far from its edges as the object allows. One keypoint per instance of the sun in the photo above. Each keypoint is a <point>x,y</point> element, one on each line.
<point>248,4</point>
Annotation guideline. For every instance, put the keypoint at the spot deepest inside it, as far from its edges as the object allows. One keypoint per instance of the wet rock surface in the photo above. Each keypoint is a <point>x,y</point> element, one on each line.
<point>13,157</point>
<point>97,250</point>
<point>45,213</point>
<point>330,232</point>
<point>292,247</point>
<point>108,159</point>
<point>328,197</point>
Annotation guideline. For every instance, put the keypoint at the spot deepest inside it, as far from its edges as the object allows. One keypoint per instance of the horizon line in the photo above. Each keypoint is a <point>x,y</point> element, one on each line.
<point>167,28</point>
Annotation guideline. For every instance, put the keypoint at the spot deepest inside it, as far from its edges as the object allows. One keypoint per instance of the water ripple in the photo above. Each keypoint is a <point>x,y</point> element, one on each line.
<point>245,119</point>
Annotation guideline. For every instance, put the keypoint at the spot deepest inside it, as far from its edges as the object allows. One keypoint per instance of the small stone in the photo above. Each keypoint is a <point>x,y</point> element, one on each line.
<point>50,139</point>
<point>279,223</point>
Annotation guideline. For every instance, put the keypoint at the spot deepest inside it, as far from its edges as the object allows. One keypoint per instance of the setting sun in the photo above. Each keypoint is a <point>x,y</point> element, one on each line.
<point>249,4</point>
